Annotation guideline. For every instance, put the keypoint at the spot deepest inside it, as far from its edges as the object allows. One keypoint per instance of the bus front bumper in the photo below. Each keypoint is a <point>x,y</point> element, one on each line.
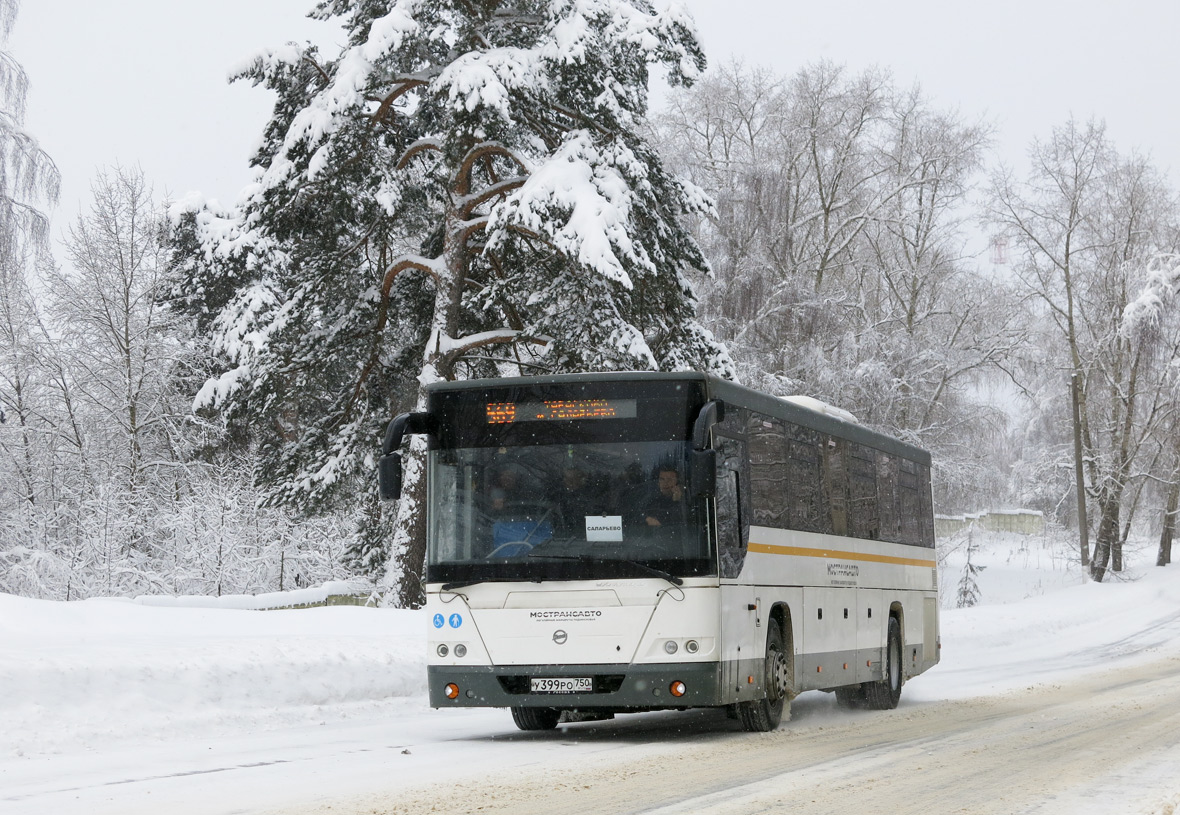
<point>614,687</point>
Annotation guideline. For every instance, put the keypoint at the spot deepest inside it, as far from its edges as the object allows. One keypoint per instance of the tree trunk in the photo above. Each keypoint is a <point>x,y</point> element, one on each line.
<point>1165,554</point>
<point>408,551</point>
<point>405,574</point>
<point>1108,532</point>
<point>409,537</point>
<point>1079,471</point>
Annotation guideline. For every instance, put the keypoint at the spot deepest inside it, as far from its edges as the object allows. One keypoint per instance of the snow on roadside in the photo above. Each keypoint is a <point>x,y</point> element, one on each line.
<point>1047,638</point>
<point>85,675</point>
<point>1040,620</point>
<point>260,602</point>
<point>81,674</point>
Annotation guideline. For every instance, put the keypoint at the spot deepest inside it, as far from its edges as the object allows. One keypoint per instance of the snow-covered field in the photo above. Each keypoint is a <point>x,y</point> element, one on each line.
<point>118,706</point>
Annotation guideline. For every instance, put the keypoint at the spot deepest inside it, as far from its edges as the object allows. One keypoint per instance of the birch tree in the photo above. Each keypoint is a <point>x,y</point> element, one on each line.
<point>1151,321</point>
<point>1084,222</point>
<point>837,245</point>
<point>28,185</point>
<point>124,347</point>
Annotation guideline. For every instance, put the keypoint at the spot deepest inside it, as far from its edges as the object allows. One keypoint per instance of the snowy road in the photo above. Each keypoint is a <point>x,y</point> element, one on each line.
<point>1084,746</point>
<point>1109,742</point>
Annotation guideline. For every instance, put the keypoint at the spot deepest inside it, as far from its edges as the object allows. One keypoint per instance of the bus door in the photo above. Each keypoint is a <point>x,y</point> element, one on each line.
<point>742,628</point>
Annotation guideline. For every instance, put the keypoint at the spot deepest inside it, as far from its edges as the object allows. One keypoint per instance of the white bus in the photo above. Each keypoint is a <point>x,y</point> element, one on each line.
<point>609,543</point>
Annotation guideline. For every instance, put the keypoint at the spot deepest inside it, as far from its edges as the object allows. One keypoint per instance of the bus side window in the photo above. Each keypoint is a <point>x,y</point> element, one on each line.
<point>767,444</point>
<point>835,478</point>
<point>806,501</point>
<point>732,505</point>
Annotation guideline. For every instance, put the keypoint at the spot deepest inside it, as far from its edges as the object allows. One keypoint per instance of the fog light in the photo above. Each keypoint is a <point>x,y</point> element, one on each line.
<point>677,688</point>
<point>692,646</point>
<point>670,646</point>
<point>443,650</point>
<point>451,691</point>
<point>460,650</point>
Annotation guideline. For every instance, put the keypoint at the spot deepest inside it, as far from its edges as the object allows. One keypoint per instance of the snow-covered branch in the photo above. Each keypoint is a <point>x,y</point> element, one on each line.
<point>1158,293</point>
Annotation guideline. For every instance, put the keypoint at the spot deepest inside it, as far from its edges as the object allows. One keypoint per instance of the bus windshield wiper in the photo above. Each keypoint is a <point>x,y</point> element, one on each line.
<point>643,567</point>
<point>671,578</point>
<point>459,584</point>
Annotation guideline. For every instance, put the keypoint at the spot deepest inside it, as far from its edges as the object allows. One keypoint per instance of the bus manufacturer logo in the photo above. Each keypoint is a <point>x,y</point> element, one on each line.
<point>566,614</point>
<point>560,637</point>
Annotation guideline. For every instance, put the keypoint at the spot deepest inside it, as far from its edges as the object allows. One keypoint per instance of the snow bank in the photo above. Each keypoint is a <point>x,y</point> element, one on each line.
<point>257,602</point>
<point>86,672</point>
<point>1040,620</point>
<point>85,675</point>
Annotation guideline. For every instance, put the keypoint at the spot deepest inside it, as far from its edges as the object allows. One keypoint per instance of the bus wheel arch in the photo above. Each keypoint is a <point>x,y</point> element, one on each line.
<point>909,657</point>
<point>896,610</point>
<point>781,613</point>
<point>765,713</point>
<point>885,693</point>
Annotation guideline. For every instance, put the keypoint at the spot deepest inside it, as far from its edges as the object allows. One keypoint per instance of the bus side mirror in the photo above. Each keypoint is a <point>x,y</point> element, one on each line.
<point>711,413</point>
<point>389,477</point>
<point>702,473</point>
<point>389,466</point>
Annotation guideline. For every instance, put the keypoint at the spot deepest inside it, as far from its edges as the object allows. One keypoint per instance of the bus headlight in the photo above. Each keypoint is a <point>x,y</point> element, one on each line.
<point>670,646</point>
<point>443,650</point>
<point>692,646</point>
<point>460,650</point>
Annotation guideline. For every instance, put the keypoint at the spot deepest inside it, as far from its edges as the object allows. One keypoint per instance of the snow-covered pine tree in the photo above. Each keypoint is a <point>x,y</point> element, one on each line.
<point>463,191</point>
<point>968,593</point>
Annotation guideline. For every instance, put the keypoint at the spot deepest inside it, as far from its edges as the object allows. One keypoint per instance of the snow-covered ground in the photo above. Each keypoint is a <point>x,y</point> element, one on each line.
<point>118,706</point>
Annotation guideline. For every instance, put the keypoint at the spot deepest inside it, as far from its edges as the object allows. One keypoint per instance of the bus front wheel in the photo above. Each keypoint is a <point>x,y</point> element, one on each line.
<point>765,714</point>
<point>885,692</point>
<point>535,718</point>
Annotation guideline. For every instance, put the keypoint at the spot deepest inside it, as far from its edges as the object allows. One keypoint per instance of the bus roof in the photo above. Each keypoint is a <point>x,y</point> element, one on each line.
<point>728,392</point>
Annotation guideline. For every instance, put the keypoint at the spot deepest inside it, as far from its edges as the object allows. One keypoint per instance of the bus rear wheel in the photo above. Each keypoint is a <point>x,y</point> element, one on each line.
<point>535,718</point>
<point>885,693</point>
<point>765,714</point>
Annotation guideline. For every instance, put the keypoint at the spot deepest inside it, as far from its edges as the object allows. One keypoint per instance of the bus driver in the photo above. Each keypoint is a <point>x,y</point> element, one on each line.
<point>665,504</point>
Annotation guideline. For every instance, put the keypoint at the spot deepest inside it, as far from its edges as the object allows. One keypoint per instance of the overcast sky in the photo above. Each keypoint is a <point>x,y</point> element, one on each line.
<point>142,82</point>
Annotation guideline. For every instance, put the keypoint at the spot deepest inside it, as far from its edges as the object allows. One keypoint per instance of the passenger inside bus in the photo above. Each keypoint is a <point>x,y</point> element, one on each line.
<point>577,496</point>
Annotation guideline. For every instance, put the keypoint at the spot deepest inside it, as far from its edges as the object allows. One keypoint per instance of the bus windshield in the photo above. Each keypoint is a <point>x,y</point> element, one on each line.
<point>564,511</point>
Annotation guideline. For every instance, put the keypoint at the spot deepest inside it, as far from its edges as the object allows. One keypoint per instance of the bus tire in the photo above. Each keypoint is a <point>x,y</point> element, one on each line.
<point>850,697</point>
<point>763,715</point>
<point>885,692</point>
<point>536,718</point>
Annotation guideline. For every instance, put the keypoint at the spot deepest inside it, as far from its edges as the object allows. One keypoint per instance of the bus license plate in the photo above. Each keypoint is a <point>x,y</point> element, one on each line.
<point>561,684</point>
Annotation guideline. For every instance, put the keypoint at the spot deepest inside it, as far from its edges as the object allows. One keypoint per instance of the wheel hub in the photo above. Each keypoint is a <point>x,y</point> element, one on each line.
<point>779,679</point>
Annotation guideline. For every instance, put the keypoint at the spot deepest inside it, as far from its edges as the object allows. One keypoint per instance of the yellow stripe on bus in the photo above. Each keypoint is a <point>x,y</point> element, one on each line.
<point>769,549</point>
